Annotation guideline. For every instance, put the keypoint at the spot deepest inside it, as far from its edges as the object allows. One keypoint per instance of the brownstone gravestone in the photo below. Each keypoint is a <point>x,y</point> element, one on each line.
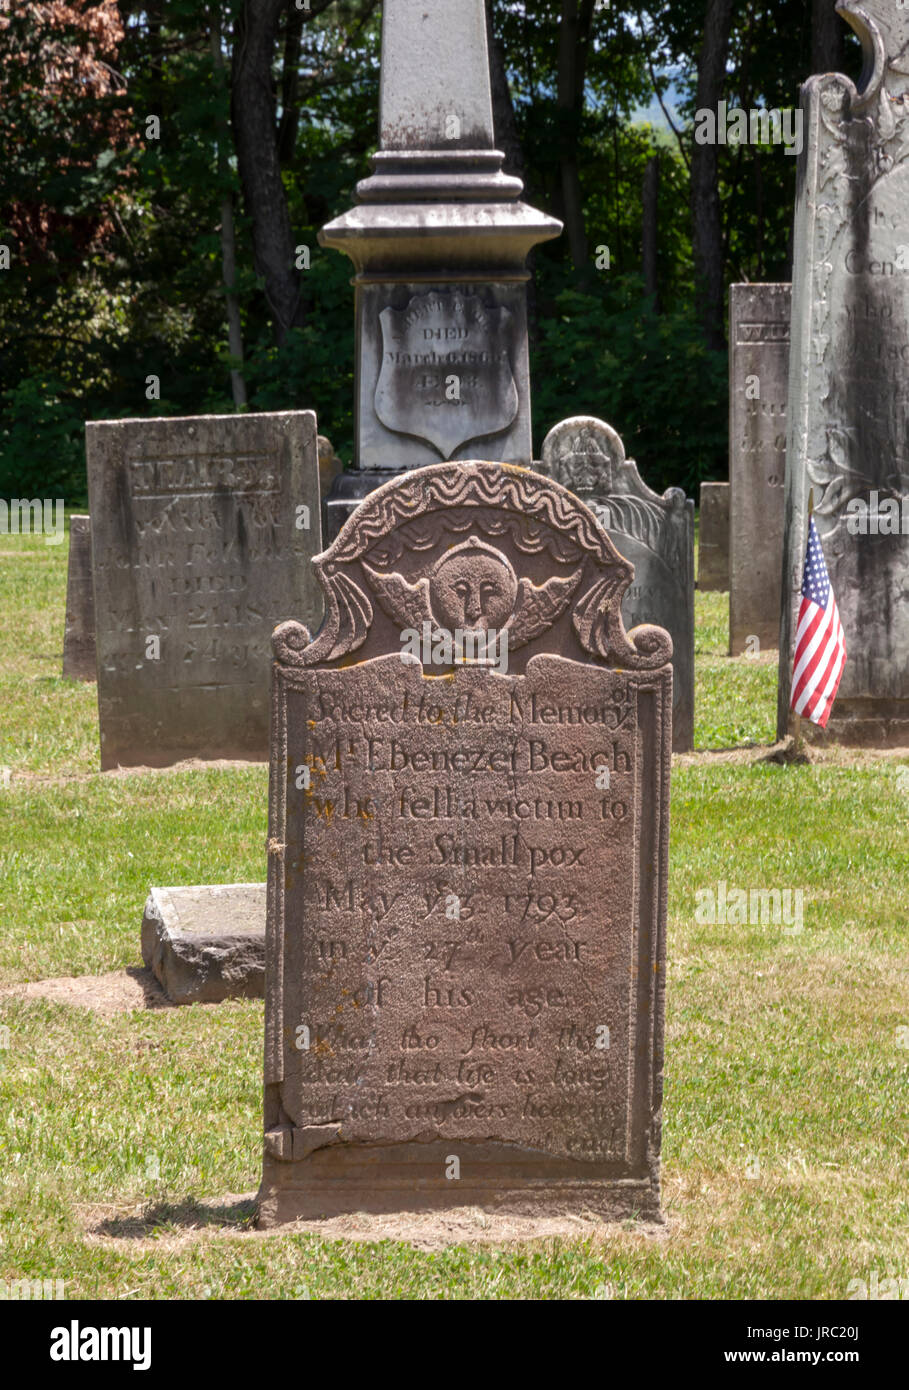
<point>758,393</point>
<point>467,871</point>
<point>203,530</point>
<point>713,538</point>
<point>79,630</point>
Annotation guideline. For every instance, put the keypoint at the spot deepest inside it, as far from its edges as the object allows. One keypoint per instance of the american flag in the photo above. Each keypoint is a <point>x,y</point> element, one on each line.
<point>820,648</point>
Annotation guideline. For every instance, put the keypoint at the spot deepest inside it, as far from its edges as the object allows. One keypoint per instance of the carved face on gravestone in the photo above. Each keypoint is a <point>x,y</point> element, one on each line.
<point>474,588</point>
<point>585,466</point>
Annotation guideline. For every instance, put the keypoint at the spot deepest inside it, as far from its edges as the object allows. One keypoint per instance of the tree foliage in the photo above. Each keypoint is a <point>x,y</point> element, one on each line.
<point>167,165</point>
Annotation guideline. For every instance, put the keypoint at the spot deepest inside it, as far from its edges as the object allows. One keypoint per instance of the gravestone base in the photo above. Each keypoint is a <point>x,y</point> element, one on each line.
<point>383,1178</point>
<point>863,724</point>
<point>206,944</point>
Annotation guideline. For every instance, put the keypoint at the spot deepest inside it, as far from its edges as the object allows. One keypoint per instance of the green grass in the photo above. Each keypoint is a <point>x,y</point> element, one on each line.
<point>128,1140</point>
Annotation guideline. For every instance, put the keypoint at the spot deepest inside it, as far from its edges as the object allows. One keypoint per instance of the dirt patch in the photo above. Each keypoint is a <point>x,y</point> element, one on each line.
<point>119,991</point>
<point>49,779</point>
<point>175,1226</point>
<point>837,754</point>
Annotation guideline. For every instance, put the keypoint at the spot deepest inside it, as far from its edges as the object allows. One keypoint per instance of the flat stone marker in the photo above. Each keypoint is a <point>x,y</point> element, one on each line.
<point>79,662</point>
<point>206,944</point>
<point>203,532</point>
<point>758,392</point>
<point>655,533</point>
<point>713,538</point>
<point>849,384</point>
<point>467,872</point>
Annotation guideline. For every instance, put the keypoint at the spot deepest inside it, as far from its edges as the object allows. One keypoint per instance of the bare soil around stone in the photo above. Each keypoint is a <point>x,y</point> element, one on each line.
<point>117,991</point>
<point>175,1227</point>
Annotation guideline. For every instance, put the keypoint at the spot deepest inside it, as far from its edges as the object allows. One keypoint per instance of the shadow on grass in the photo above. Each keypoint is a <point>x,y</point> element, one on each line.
<point>188,1215</point>
<point>152,992</point>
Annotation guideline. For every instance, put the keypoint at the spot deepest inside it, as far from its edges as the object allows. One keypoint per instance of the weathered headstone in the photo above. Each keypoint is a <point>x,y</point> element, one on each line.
<point>330,469</point>
<point>330,466</point>
<point>439,241</point>
<point>79,628</point>
<point>203,532</point>
<point>758,389</point>
<point>655,533</point>
<point>206,944</point>
<point>849,385</point>
<point>713,538</point>
<point>467,874</point>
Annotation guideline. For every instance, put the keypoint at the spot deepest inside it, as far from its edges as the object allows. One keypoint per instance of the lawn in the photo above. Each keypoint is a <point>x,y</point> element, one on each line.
<point>130,1142</point>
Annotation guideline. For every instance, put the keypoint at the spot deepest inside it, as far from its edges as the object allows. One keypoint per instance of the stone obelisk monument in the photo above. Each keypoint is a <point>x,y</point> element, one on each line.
<point>439,241</point>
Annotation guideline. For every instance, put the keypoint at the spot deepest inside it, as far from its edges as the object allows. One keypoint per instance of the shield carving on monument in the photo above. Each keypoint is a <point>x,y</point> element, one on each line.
<point>447,370</point>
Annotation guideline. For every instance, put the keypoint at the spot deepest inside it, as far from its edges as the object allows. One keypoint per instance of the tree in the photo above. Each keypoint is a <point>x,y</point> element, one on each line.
<point>574,43</point>
<point>254,115</point>
<point>706,213</point>
<point>829,33</point>
<point>228,235</point>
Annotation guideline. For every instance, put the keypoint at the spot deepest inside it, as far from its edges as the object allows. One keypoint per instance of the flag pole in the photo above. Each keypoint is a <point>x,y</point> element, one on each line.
<point>798,742</point>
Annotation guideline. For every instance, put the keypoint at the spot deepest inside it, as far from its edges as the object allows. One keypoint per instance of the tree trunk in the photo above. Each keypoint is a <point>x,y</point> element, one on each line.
<point>503,117</point>
<point>154,21</point>
<point>228,238</point>
<point>574,37</point>
<point>706,213</point>
<point>650,201</point>
<point>507,139</point>
<point>290,82</point>
<point>253,113</point>
<point>828,37</point>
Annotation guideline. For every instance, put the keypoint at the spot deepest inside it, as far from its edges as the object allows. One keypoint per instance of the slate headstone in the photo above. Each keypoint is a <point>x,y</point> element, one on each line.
<point>713,538</point>
<point>79,662</point>
<point>758,390</point>
<point>467,874</point>
<point>655,533</point>
<point>848,438</point>
<point>206,944</point>
<point>203,532</point>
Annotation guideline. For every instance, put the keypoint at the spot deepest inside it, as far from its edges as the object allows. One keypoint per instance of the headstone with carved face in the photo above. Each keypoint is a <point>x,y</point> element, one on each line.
<point>655,533</point>
<point>467,864</point>
<point>848,435</point>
